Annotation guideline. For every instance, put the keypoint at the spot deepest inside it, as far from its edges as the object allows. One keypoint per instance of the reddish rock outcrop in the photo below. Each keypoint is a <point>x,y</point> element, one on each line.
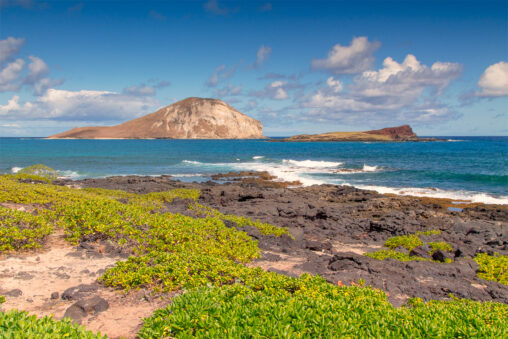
<point>404,132</point>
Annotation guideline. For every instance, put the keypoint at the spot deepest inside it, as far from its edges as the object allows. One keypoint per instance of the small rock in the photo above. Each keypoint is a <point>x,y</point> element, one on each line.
<point>439,256</point>
<point>420,252</point>
<point>55,295</point>
<point>317,245</point>
<point>77,292</point>
<point>93,305</point>
<point>75,313</point>
<point>14,293</point>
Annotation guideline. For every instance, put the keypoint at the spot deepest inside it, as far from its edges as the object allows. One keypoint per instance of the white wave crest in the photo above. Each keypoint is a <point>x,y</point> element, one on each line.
<point>367,168</point>
<point>473,197</point>
<point>258,157</point>
<point>191,162</point>
<point>16,169</point>
<point>70,174</point>
<point>312,163</point>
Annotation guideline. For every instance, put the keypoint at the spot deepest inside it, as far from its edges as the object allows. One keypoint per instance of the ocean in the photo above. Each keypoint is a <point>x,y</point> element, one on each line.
<point>470,168</point>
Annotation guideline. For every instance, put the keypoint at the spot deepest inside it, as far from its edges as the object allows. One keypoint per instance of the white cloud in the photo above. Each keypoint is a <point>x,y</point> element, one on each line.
<point>335,85</point>
<point>84,105</point>
<point>9,48</point>
<point>13,75</point>
<point>494,81</point>
<point>352,59</point>
<point>37,69</point>
<point>10,76</point>
<point>392,93</point>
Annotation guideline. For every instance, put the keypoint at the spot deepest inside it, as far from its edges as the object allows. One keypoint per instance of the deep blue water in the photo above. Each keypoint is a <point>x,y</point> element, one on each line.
<point>471,167</point>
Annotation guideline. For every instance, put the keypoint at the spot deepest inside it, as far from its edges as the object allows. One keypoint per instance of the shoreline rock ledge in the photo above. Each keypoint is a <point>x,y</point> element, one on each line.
<point>191,118</point>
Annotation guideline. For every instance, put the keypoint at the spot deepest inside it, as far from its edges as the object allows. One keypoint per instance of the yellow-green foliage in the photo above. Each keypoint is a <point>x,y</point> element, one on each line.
<point>21,230</point>
<point>274,306</point>
<point>408,241</point>
<point>439,245</point>
<point>170,251</point>
<point>264,228</point>
<point>2,299</point>
<point>39,170</point>
<point>16,324</point>
<point>493,267</point>
<point>391,254</point>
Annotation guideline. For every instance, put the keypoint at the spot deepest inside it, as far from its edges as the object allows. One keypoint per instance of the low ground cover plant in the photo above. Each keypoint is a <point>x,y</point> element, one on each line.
<point>16,324</point>
<point>493,267</point>
<point>410,242</point>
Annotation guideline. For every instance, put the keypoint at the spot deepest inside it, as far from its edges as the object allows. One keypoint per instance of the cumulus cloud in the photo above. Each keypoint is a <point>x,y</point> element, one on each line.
<point>392,93</point>
<point>13,74</point>
<point>494,81</point>
<point>9,48</point>
<point>276,90</point>
<point>10,76</point>
<point>221,72</point>
<point>83,105</point>
<point>352,59</point>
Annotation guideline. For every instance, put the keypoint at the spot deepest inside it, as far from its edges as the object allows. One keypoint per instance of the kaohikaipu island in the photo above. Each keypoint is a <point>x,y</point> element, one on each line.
<point>253,169</point>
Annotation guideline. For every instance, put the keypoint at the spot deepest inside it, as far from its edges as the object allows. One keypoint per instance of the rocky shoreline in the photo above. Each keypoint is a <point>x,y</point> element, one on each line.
<point>332,228</point>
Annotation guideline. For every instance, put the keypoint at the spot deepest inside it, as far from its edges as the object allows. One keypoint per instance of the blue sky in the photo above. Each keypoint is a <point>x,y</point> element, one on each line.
<point>298,66</point>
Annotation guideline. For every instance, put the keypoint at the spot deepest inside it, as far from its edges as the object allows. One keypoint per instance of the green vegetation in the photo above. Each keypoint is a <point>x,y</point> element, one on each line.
<point>308,307</point>
<point>204,259</point>
<point>408,241</point>
<point>20,230</point>
<point>439,245</point>
<point>39,170</point>
<point>264,228</point>
<point>2,299</point>
<point>16,324</point>
<point>493,268</point>
<point>386,254</point>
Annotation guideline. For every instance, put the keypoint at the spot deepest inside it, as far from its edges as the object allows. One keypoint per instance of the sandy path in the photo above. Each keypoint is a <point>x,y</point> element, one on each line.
<point>59,267</point>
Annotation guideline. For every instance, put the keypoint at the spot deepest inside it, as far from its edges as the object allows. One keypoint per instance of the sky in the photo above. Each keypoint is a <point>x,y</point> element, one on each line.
<point>297,66</point>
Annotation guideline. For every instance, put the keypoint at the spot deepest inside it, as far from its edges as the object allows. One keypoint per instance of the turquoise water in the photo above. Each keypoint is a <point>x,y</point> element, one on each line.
<point>475,168</point>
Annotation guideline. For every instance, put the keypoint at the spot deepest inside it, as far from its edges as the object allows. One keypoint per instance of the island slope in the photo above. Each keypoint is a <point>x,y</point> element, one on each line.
<point>191,118</point>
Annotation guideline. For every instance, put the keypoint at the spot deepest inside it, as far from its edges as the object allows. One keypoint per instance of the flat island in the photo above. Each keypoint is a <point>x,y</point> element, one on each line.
<point>390,134</point>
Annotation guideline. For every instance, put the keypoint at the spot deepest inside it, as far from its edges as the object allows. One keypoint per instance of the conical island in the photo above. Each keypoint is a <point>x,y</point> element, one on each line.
<point>191,118</point>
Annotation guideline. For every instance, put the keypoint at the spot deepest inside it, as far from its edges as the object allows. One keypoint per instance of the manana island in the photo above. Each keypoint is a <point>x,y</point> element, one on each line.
<point>245,254</point>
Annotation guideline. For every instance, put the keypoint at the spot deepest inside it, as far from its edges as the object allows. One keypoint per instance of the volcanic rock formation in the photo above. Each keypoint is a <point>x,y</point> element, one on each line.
<point>400,133</point>
<point>191,118</point>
